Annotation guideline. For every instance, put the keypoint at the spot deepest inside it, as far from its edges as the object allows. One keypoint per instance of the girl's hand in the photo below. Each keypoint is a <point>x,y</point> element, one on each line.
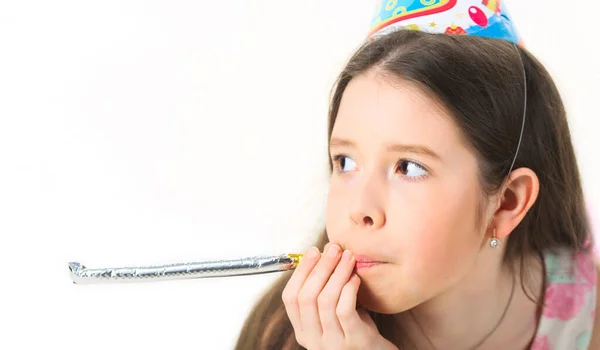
<point>320,300</point>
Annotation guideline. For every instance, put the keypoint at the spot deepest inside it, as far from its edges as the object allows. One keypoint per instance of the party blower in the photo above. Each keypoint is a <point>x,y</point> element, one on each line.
<point>201,269</point>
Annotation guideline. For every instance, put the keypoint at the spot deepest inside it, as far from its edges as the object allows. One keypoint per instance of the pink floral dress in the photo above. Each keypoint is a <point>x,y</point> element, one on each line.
<point>570,302</point>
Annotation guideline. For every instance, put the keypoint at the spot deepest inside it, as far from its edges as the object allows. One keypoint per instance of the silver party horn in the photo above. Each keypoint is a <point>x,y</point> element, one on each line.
<point>201,269</point>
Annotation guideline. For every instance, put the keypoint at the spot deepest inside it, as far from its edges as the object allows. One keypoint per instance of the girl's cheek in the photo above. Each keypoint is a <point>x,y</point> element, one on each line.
<point>437,249</point>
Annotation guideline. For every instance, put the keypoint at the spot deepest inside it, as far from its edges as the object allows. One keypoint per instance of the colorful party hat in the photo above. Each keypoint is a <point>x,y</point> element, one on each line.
<point>487,18</point>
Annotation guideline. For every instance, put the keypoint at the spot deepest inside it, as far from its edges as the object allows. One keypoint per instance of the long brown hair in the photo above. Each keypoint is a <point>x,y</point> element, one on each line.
<point>480,82</point>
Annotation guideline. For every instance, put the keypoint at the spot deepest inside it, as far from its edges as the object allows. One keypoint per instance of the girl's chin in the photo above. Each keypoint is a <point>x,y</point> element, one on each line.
<point>377,303</point>
<point>381,300</point>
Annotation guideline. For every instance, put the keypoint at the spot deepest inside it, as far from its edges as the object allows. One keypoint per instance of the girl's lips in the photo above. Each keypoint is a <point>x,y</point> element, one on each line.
<point>366,265</point>
<point>363,259</point>
<point>365,262</point>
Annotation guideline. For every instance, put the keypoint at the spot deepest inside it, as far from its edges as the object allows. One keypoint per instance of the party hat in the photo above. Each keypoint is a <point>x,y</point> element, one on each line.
<point>487,18</point>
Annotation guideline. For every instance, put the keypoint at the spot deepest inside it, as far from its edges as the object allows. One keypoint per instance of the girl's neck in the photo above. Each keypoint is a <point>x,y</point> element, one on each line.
<point>463,316</point>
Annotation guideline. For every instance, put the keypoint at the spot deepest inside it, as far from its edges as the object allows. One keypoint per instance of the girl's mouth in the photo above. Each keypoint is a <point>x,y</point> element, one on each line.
<point>365,262</point>
<point>360,266</point>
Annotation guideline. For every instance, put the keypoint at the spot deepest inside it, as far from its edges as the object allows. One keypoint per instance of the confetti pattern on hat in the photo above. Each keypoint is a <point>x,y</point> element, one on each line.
<point>487,18</point>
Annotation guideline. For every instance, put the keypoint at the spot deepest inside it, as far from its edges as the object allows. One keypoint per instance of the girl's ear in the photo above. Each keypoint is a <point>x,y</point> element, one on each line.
<point>517,197</point>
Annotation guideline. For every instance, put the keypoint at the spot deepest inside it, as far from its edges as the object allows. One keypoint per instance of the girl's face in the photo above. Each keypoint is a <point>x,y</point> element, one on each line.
<point>404,191</point>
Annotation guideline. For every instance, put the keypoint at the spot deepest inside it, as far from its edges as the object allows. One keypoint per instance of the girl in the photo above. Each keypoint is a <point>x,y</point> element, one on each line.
<point>455,217</point>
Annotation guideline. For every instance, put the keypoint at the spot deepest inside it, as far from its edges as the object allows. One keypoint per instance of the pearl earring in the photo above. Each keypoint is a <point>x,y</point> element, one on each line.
<point>494,241</point>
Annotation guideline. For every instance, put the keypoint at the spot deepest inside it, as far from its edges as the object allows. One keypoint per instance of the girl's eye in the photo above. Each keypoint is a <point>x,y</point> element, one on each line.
<point>411,169</point>
<point>345,163</point>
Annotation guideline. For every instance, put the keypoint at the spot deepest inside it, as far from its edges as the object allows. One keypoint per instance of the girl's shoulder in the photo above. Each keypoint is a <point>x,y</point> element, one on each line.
<point>568,319</point>
<point>595,339</point>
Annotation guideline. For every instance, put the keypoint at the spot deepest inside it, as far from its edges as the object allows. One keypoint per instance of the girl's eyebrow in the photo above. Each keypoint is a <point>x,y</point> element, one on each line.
<point>416,149</point>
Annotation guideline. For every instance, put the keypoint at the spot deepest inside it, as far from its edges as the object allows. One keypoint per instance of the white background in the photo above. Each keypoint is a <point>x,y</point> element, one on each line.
<point>144,132</point>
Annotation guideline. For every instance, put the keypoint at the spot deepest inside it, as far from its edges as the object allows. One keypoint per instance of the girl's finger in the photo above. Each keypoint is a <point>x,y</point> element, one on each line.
<point>348,317</point>
<point>330,296</point>
<point>307,297</point>
<point>290,292</point>
<point>365,317</point>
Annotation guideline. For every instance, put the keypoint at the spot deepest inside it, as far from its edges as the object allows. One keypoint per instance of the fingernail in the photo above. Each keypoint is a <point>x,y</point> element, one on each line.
<point>347,255</point>
<point>333,250</point>
<point>312,253</point>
